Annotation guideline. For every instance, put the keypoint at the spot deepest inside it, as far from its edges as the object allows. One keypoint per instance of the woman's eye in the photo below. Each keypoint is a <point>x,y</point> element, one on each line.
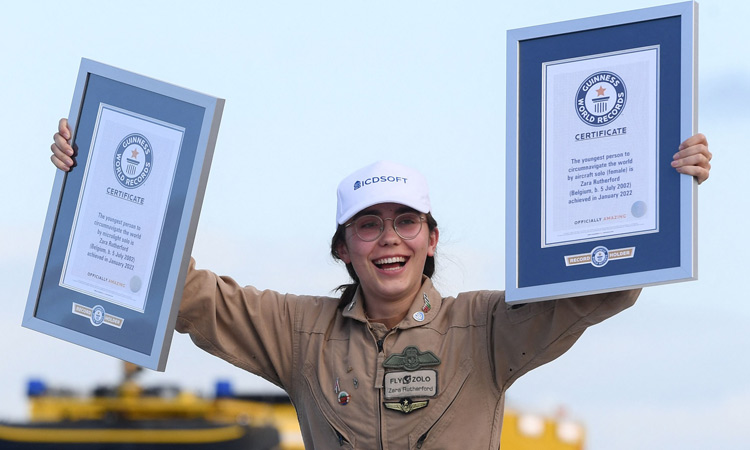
<point>368,224</point>
<point>407,220</point>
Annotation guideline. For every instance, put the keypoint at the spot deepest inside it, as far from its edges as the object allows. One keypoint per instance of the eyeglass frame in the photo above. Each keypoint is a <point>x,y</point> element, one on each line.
<point>422,218</point>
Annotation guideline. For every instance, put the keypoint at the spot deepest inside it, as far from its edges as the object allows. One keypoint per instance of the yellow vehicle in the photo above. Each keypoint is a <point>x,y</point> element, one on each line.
<point>130,416</point>
<point>524,431</point>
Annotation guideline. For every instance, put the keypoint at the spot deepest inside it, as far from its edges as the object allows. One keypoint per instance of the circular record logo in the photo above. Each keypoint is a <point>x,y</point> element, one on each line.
<point>97,315</point>
<point>133,160</point>
<point>601,99</point>
<point>599,256</point>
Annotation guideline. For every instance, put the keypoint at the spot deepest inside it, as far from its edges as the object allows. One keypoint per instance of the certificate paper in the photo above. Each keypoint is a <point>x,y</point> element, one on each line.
<point>600,146</point>
<point>113,245</point>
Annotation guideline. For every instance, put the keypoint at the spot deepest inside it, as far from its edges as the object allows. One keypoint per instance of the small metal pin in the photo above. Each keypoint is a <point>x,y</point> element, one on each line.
<point>356,383</point>
<point>336,388</point>
<point>427,306</point>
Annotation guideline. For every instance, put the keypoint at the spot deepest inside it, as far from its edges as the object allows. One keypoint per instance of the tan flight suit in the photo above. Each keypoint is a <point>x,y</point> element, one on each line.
<point>435,381</point>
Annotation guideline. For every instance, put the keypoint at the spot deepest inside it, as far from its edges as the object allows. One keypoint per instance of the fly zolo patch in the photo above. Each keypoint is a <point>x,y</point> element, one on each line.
<point>419,383</point>
<point>409,377</point>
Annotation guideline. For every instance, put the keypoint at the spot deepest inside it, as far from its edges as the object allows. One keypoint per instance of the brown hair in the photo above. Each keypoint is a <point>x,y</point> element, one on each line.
<point>348,290</point>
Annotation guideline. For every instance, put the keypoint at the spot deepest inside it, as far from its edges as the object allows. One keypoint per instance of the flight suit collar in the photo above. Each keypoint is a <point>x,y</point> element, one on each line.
<point>424,307</point>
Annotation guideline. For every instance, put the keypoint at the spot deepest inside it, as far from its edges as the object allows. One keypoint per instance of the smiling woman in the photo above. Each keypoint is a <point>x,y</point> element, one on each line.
<point>391,362</point>
<point>360,206</point>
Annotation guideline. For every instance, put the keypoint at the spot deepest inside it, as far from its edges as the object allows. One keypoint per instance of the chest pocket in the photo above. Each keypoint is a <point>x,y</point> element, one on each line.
<point>339,431</point>
<point>439,415</point>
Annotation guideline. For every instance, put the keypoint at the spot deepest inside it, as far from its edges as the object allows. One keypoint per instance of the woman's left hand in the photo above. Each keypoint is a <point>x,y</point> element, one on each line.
<point>693,158</point>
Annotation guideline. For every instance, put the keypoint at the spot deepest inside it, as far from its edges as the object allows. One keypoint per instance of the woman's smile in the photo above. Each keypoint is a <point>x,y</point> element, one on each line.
<point>391,263</point>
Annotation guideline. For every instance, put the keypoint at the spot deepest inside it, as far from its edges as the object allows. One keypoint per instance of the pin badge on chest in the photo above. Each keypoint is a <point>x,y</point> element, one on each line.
<point>418,316</point>
<point>344,398</point>
<point>427,306</point>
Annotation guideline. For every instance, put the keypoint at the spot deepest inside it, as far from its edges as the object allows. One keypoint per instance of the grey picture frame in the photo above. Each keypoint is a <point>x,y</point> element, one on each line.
<point>142,337</point>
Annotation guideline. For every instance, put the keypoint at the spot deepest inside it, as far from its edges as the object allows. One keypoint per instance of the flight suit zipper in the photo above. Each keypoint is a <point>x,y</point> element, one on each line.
<point>379,376</point>
<point>380,394</point>
<point>380,343</point>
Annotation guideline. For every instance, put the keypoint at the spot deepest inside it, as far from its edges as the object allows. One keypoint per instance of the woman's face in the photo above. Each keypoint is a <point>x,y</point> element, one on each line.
<point>390,267</point>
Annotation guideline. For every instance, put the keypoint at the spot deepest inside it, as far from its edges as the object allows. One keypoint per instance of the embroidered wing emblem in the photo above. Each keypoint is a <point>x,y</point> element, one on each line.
<point>406,406</point>
<point>411,359</point>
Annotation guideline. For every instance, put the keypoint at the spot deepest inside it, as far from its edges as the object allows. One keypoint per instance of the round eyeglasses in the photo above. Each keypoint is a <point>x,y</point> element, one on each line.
<point>369,227</point>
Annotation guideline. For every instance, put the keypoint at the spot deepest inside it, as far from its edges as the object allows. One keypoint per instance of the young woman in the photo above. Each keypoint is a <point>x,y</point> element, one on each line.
<point>391,364</point>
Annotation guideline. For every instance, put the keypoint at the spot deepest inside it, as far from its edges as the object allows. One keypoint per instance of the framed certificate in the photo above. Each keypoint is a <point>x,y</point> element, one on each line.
<point>119,229</point>
<point>596,108</point>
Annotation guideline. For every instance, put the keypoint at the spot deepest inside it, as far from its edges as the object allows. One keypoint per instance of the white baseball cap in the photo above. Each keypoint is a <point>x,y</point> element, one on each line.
<point>381,182</point>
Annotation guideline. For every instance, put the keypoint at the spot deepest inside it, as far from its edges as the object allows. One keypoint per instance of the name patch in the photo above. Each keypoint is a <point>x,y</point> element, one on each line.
<point>418,383</point>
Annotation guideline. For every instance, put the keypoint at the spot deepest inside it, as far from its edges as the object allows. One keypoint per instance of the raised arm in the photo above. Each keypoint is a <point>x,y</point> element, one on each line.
<point>527,336</point>
<point>249,328</point>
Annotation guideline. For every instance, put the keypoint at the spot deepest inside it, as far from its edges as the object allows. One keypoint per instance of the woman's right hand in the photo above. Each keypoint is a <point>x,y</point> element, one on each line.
<point>62,152</point>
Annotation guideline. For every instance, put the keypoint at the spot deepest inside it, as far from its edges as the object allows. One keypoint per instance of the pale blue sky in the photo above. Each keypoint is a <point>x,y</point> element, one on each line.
<point>315,90</point>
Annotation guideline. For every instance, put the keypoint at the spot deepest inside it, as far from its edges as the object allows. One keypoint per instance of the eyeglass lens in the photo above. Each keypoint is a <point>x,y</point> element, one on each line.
<point>370,227</point>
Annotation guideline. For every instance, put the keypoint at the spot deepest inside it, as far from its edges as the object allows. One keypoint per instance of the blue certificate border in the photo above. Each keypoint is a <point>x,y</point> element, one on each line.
<point>144,337</point>
<point>534,273</point>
